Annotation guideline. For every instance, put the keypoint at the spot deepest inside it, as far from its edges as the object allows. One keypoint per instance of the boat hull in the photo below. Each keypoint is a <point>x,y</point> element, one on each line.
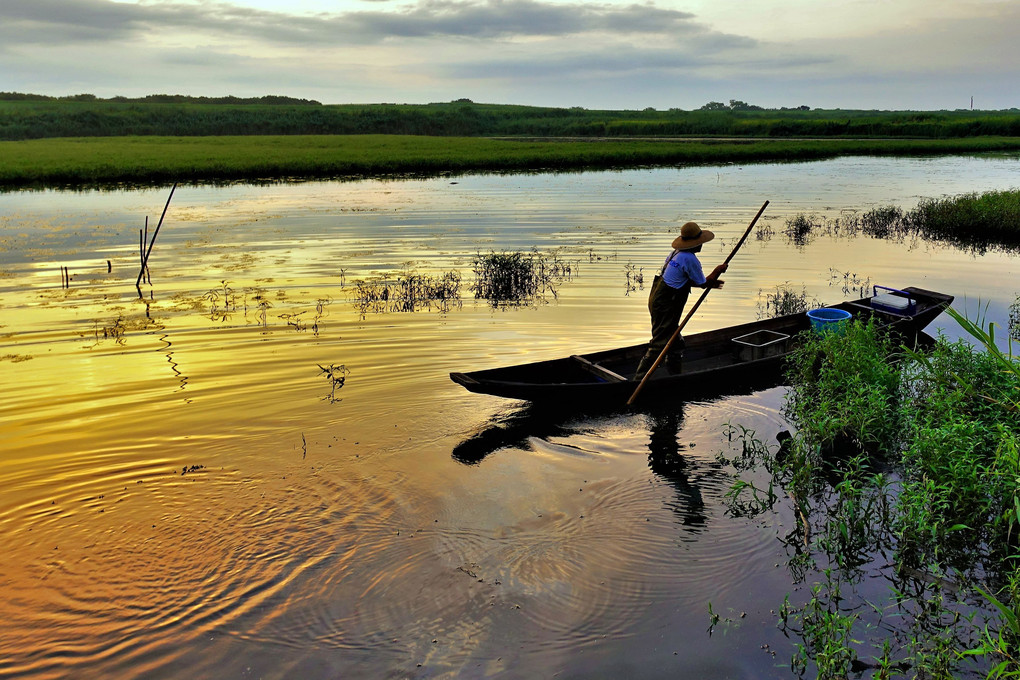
<point>731,360</point>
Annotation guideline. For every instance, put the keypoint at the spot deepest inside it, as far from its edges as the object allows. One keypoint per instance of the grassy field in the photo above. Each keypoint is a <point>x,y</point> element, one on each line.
<point>97,161</point>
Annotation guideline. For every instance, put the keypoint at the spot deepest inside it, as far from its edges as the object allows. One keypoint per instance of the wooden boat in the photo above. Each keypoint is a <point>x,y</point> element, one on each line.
<point>739,358</point>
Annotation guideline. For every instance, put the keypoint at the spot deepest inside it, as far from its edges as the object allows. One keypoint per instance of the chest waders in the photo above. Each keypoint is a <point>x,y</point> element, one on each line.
<point>666,307</point>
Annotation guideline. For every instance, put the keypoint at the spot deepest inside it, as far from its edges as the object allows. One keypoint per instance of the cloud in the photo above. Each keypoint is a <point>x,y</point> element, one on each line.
<point>629,61</point>
<point>553,52</point>
<point>74,21</point>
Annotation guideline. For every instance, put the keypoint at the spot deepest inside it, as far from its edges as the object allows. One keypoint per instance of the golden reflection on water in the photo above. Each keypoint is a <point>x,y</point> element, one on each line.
<point>184,487</point>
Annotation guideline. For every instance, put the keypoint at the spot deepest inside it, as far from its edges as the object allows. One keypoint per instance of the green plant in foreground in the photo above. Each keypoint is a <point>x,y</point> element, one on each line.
<point>826,631</point>
<point>844,391</point>
<point>946,421</point>
<point>1003,644</point>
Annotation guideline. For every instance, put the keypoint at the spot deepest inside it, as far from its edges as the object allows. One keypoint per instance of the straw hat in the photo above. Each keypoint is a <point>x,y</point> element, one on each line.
<point>691,236</point>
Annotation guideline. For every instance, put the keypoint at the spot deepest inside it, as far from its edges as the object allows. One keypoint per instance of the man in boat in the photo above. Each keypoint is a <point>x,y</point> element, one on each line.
<point>670,290</point>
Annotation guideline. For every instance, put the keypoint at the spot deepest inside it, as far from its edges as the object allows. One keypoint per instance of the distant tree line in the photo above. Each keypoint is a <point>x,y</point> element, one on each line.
<point>271,100</point>
<point>26,116</point>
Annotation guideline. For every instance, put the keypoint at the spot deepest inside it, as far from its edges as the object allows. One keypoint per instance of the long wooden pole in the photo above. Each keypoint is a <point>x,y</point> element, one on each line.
<point>676,333</point>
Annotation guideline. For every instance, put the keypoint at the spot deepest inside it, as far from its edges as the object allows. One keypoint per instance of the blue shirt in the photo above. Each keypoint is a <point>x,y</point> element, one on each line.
<point>683,268</point>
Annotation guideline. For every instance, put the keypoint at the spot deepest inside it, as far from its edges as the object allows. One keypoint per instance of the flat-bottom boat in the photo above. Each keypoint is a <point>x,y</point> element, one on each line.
<point>738,358</point>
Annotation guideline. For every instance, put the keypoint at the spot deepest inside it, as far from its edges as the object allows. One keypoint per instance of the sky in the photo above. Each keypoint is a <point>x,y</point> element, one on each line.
<point>851,54</point>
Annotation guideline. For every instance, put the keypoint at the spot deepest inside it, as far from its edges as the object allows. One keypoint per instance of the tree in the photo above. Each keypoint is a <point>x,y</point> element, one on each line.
<point>737,105</point>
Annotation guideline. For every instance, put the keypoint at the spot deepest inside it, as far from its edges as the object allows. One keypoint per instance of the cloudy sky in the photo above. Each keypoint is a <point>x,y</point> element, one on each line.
<point>886,54</point>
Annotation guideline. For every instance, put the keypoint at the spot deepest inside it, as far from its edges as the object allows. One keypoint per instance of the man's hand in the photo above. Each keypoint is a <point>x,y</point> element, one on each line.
<point>713,280</point>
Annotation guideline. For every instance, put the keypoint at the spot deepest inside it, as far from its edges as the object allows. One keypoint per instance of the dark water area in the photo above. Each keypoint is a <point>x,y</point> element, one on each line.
<point>250,472</point>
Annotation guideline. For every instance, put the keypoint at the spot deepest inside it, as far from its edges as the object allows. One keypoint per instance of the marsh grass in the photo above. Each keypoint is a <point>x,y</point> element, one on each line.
<point>976,222</point>
<point>914,465</point>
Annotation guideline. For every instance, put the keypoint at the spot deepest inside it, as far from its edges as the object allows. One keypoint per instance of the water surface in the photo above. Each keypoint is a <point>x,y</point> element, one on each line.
<point>185,492</point>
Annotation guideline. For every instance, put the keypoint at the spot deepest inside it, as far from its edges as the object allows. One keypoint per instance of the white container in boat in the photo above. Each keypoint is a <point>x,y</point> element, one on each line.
<point>891,302</point>
<point>761,344</point>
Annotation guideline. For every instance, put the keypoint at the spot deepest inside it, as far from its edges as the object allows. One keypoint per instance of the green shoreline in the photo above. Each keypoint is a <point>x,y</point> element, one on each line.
<point>103,161</point>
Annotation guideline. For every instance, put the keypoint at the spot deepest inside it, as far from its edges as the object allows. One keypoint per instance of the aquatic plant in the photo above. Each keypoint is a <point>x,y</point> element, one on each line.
<point>336,376</point>
<point>971,221</point>
<point>800,228</point>
<point>915,463</point>
<point>1014,319</point>
<point>850,283</point>
<point>975,221</point>
<point>410,292</point>
<point>783,300</point>
<point>883,222</point>
<point>635,278</point>
<point>844,389</point>
<point>259,302</point>
<point>517,278</point>
<point>764,232</point>
<point>214,295</point>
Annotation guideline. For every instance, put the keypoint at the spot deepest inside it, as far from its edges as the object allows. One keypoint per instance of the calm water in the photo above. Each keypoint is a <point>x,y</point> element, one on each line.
<point>186,493</point>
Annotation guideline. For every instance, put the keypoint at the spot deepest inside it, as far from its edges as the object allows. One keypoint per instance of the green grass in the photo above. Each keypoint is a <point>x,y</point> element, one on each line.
<point>145,160</point>
<point>945,423</point>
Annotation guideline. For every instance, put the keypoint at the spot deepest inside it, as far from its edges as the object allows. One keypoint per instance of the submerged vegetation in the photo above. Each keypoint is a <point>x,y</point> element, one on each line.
<point>909,471</point>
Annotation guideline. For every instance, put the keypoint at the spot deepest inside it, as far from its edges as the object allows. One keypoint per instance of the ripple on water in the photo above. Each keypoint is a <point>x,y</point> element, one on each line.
<point>121,564</point>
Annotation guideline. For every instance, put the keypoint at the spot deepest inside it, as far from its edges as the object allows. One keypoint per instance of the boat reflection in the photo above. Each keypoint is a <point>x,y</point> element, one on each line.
<point>514,428</point>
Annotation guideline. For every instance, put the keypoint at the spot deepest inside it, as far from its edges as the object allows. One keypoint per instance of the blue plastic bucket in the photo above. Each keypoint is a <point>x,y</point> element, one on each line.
<point>828,320</point>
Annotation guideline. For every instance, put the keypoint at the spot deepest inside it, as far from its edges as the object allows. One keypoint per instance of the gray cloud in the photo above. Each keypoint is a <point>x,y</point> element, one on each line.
<point>510,51</point>
<point>70,21</point>
<point>695,55</point>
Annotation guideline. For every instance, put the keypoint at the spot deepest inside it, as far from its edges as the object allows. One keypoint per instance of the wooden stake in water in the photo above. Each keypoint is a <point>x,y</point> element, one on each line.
<point>145,257</point>
<point>676,333</point>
